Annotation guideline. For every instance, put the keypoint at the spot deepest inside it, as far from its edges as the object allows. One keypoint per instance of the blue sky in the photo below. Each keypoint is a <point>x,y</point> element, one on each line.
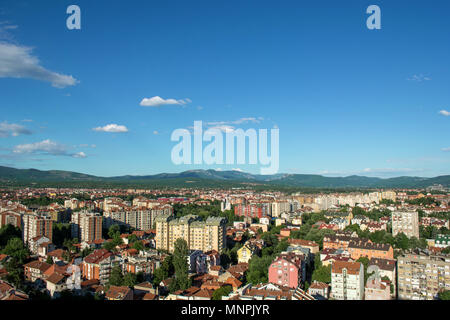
<point>346,99</point>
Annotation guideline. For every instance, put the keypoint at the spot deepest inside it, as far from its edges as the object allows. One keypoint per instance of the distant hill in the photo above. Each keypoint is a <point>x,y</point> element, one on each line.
<point>212,178</point>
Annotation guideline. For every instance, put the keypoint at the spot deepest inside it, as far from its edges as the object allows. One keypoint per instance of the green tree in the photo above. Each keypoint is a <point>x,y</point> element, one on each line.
<point>138,245</point>
<point>49,260</point>
<point>132,238</point>
<point>223,291</point>
<point>116,277</point>
<point>114,231</point>
<point>8,232</point>
<point>444,295</point>
<point>180,264</point>
<point>165,271</point>
<point>322,274</point>
<point>130,279</point>
<point>365,262</point>
<point>16,250</point>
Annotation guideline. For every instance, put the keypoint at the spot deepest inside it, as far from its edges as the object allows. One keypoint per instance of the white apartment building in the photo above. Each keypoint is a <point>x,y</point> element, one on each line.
<point>347,280</point>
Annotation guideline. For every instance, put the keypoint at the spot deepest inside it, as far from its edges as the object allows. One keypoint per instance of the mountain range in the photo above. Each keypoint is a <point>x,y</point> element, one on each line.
<point>211,178</point>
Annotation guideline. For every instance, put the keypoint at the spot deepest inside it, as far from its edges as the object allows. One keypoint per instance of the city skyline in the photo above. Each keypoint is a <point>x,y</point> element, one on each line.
<point>104,100</point>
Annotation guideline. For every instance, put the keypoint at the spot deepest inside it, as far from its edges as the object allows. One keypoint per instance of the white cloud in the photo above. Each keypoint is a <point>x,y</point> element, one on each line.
<point>444,113</point>
<point>238,121</point>
<point>419,78</point>
<point>112,128</point>
<point>79,155</point>
<point>5,27</point>
<point>7,129</point>
<point>46,147</point>
<point>446,149</point>
<point>158,101</point>
<point>155,132</point>
<point>18,62</point>
<point>223,128</point>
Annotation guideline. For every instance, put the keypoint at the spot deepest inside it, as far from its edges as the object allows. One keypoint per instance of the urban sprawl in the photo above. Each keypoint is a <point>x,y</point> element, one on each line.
<point>224,244</point>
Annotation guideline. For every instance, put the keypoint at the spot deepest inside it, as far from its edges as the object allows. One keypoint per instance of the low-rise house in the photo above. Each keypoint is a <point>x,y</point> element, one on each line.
<point>319,290</point>
<point>268,291</point>
<point>386,268</point>
<point>56,283</point>
<point>8,292</point>
<point>245,253</point>
<point>35,242</point>
<point>144,288</point>
<point>35,269</point>
<point>311,245</point>
<point>119,293</point>
<point>377,290</point>
<point>44,249</point>
<point>57,255</point>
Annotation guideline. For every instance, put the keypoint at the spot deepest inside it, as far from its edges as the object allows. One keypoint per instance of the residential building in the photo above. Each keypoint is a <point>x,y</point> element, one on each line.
<point>119,293</point>
<point>34,225</point>
<point>377,289</point>
<point>406,222</point>
<point>347,280</point>
<point>319,290</point>
<point>421,276</point>
<point>98,265</point>
<point>245,253</point>
<point>288,270</point>
<point>200,235</point>
<point>86,226</point>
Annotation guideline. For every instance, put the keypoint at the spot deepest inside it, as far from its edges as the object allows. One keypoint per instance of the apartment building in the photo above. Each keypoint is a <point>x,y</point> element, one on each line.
<point>253,210</point>
<point>279,207</point>
<point>34,225</point>
<point>422,275</point>
<point>10,217</point>
<point>288,270</point>
<point>139,218</point>
<point>365,248</point>
<point>98,265</point>
<point>406,222</point>
<point>347,280</point>
<point>358,248</point>
<point>199,235</point>
<point>86,226</point>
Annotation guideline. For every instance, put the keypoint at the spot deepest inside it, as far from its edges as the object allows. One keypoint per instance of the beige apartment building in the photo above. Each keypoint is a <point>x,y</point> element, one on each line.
<point>86,226</point>
<point>199,235</point>
<point>421,276</point>
<point>406,222</point>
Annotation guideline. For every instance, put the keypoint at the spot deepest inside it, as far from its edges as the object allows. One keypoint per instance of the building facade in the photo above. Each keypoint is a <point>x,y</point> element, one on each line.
<point>86,226</point>
<point>421,276</point>
<point>406,222</point>
<point>347,280</point>
<point>34,225</point>
<point>199,235</point>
